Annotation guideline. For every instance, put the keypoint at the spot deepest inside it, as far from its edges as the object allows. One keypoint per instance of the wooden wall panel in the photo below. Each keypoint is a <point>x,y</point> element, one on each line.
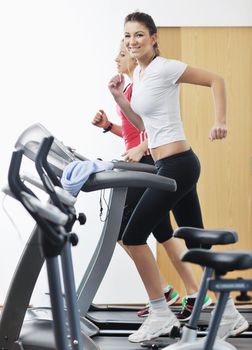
<point>225,186</point>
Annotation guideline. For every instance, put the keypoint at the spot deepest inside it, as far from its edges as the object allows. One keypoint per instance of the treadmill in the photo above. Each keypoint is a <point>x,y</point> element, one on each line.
<point>32,329</point>
<point>105,317</point>
<point>36,333</point>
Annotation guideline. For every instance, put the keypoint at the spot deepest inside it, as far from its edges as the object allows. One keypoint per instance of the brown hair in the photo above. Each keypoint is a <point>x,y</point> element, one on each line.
<point>147,20</point>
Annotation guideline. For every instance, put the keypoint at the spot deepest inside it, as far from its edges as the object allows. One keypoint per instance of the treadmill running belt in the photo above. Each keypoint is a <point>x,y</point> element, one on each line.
<point>130,320</point>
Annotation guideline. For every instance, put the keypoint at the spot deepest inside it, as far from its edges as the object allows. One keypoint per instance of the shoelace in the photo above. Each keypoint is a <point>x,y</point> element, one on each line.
<point>184,304</point>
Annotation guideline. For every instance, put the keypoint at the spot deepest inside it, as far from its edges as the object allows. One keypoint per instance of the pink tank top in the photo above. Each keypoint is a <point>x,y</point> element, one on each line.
<point>132,136</point>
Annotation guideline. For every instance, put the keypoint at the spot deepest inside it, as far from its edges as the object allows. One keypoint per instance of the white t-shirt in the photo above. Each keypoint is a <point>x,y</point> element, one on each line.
<point>155,99</point>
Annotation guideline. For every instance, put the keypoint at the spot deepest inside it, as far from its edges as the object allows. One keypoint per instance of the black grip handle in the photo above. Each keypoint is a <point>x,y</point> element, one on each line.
<point>45,172</point>
<point>42,163</point>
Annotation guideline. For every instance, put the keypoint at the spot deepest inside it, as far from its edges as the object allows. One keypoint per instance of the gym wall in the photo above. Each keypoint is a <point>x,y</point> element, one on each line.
<point>225,186</point>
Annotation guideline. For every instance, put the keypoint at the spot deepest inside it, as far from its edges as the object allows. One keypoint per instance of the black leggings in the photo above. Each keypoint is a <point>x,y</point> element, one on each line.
<point>132,198</point>
<point>152,213</point>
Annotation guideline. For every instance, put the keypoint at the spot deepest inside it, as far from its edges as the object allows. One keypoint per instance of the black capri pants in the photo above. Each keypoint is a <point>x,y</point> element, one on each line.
<point>132,198</point>
<point>152,213</point>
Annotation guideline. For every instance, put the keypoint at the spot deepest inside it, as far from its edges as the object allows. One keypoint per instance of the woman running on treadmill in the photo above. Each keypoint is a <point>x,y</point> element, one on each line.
<point>154,107</point>
<point>136,145</point>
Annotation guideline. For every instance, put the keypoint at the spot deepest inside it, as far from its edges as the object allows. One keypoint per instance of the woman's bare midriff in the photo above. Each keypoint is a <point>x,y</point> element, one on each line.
<point>169,149</point>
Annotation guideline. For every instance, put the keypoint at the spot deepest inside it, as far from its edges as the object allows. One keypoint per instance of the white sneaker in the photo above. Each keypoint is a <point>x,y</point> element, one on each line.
<point>232,325</point>
<point>157,323</point>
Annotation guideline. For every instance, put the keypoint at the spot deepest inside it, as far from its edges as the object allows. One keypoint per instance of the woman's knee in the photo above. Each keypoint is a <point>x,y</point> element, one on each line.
<point>133,239</point>
<point>163,234</point>
<point>174,248</point>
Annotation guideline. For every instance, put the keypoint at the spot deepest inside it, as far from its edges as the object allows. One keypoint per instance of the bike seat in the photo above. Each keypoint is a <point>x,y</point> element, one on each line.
<point>221,262</point>
<point>205,238</point>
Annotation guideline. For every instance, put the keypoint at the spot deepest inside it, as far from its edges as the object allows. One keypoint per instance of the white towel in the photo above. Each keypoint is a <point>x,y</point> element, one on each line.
<point>77,173</point>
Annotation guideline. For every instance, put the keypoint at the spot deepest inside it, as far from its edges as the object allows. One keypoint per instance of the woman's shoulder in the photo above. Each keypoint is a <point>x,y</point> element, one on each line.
<point>128,87</point>
<point>168,61</point>
<point>164,64</point>
<point>128,90</point>
<point>170,66</point>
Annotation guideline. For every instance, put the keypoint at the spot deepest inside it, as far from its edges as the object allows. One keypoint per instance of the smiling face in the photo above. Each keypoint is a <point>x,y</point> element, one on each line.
<point>138,41</point>
<point>125,63</point>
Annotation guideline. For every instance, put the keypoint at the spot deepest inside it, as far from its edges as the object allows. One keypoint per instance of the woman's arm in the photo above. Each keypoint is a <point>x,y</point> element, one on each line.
<point>201,77</point>
<point>116,86</point>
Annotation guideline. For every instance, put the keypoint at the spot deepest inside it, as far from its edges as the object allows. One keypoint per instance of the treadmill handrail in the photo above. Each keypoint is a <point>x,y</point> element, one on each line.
<point>134,166</point>
<point>115,179</point>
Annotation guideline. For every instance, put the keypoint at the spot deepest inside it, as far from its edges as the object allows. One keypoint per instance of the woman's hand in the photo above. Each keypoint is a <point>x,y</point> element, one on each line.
<point>133,155</point>
<point>218,131</point>
<point>101,119</point>
<point>116,85</point>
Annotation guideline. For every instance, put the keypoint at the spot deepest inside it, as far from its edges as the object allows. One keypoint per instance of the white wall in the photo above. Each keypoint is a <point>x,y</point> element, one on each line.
<point>56,57</point>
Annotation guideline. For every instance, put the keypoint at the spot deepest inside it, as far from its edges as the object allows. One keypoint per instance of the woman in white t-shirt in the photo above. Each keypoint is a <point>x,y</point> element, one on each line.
<point>137,150</point>
<point>155,98</point>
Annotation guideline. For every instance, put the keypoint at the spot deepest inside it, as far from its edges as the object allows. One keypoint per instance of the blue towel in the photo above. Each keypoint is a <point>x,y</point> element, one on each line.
<point>77,173</point>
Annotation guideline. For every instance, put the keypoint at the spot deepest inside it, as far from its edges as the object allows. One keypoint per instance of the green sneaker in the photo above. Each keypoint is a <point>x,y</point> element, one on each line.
<point>187,307</point>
